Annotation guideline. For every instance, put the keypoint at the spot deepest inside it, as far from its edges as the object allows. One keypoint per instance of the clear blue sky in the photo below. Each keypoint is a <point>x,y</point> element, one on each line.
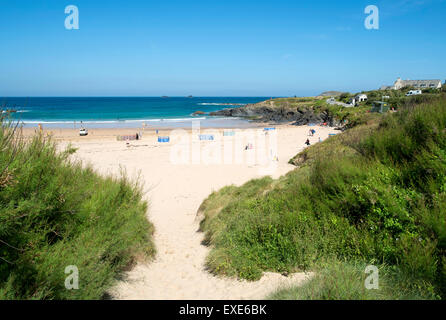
<point>216,48</point>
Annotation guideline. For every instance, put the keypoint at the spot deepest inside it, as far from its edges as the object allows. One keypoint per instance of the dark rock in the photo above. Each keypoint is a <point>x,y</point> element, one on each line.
<point>265,112</point>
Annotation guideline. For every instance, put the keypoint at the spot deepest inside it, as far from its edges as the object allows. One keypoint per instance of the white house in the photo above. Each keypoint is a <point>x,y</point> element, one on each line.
<point>361,97</point>
<point>358,98</point>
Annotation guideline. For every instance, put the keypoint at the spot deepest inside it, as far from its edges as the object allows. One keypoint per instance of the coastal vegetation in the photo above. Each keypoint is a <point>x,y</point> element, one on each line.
<point>298,111</point>
<point>373,195</point>
<point>56,213</point>
<point>334,110</point>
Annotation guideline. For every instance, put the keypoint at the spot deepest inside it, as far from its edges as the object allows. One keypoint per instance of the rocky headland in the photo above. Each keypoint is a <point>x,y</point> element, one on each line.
<point>276,111</point>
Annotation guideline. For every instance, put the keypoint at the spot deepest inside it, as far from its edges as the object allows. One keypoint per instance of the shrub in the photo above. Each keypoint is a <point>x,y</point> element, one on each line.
<point>374,193</point>
<point>345,280</point>
<point>55,213</point>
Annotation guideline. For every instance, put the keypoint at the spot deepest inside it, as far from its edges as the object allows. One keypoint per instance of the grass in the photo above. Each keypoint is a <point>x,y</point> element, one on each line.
<point>375,194</point>
<point>346,281</point>
<point>55,213</point>
<point>348,116</point>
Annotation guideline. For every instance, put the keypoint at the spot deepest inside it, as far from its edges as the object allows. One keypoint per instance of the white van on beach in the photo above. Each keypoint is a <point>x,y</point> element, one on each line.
<point>413,92</point>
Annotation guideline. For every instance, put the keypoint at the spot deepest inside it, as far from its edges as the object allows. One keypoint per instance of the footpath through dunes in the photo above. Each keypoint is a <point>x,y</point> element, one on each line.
<point>175,193</point>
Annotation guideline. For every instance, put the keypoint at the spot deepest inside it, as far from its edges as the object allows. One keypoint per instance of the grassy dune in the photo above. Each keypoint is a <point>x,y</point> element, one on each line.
<point>55,213</point>
<point>375,194</point>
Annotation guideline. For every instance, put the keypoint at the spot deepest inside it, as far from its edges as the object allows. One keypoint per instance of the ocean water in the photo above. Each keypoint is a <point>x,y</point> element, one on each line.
<point>121,111</point>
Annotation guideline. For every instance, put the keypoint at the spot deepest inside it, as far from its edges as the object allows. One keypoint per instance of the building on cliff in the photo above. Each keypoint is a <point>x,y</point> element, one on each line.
<point>419,84</point>
<point>358,98</point>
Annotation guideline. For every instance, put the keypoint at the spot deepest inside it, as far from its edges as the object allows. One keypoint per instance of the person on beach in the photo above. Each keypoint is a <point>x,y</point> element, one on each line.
<point>307,142</point>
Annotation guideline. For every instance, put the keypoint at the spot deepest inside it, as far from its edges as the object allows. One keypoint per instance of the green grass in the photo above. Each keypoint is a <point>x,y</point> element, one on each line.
<point>374,194</point>
<point>349,116</point>
<point>345,281</point>
<point>55,213</point>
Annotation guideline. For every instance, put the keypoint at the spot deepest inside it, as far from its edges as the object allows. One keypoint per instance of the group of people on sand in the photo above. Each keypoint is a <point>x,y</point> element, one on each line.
<point>311,133</point>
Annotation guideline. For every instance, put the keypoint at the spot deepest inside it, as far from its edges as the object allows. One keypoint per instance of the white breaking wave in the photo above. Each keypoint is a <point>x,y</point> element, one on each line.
<point>110,121</point>
<point>221,104</point>
<point>17,111</point>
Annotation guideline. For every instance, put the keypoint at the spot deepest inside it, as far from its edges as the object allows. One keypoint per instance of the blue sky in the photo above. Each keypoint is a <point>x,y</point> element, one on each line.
<point>216,48</point>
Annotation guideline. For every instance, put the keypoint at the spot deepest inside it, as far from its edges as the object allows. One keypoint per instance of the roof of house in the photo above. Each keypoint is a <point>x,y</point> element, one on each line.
<point>420,82</point>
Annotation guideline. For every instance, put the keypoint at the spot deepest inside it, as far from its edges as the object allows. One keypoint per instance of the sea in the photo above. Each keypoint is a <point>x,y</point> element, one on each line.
<point>122,112</point>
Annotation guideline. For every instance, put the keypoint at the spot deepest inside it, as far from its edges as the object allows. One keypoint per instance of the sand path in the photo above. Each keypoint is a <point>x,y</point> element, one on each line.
<point>175,192</point>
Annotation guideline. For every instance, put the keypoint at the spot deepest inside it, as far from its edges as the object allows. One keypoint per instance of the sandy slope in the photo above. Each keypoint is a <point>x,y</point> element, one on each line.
<point>175,191</point>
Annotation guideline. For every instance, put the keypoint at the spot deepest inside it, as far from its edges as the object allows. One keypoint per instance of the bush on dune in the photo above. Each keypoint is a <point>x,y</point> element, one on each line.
<point>344,280</point>
<point>381,199</point>
<point>55,213</point>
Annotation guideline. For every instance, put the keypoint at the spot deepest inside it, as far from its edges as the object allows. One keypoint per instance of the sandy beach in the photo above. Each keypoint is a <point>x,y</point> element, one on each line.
<point>175,190</point>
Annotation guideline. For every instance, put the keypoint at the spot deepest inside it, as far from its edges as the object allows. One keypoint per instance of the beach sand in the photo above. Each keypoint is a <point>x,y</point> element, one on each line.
<point>174,193</point>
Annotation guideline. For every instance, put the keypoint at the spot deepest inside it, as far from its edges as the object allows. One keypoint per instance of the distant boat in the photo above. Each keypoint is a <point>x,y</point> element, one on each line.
<point>190,96</point>
<point>164,97</point>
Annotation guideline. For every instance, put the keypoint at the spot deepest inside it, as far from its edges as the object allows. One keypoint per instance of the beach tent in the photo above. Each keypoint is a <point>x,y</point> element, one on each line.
<point>228,133</point>
<point>269,129</point>
<point>129,137</point>
<point>206,137</point>
<point>163,139</point>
